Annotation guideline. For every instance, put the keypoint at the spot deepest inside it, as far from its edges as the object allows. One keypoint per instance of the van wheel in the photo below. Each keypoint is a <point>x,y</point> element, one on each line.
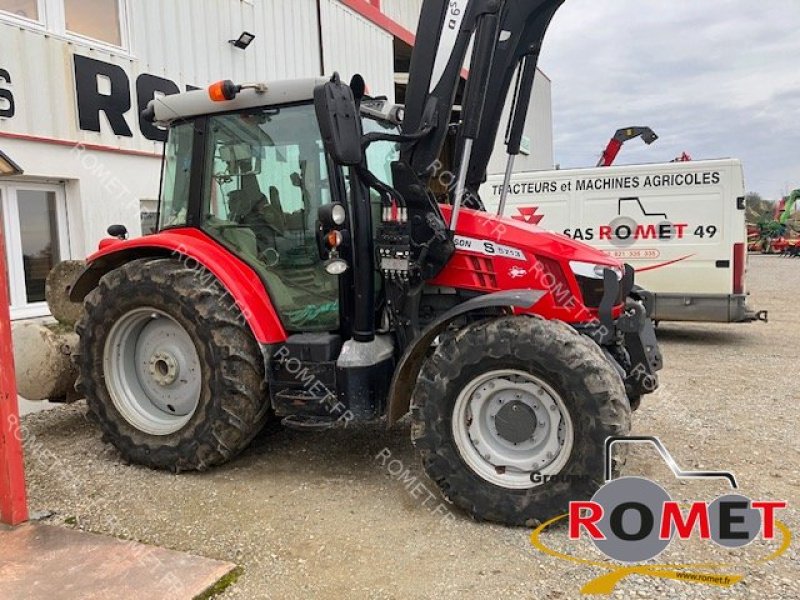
<point>511,416</point>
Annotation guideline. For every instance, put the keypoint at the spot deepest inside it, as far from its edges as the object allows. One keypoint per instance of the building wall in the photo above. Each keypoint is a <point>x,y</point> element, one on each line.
<point>538,132</point>
<point>53,85</point>
<point>404,12</point>
<point>45,69</point>
<point>286,44</point>
<point>353,45</point>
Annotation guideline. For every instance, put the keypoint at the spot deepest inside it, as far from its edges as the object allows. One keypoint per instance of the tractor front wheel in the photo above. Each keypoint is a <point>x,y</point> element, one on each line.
<point>169,368</point>
<point>511,415</point>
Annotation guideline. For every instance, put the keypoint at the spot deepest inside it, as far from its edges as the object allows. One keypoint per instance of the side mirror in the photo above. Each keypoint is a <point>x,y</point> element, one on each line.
<point>339,122</point>
<point>118,231</point>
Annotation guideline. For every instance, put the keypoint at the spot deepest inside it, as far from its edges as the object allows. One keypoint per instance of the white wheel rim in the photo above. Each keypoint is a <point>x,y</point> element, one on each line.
<point>152,371</point>
<point>499,459</point>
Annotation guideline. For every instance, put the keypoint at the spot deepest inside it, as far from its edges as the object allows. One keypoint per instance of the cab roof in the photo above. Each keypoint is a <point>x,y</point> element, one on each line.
<point>198,102</point>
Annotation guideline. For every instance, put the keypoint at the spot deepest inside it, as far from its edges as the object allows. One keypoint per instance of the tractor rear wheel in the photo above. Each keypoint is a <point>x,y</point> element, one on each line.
<point>169,368</point>
<point>511,415</point>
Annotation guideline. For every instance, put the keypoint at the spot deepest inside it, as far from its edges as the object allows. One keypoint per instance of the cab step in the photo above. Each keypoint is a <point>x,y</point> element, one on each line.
<point>308,423</point>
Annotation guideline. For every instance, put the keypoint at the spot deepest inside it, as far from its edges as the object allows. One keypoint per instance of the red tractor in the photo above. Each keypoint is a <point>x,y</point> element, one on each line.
<point>303,273</point>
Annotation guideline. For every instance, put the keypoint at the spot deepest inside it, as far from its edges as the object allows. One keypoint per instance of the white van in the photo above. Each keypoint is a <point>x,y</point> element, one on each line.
<point>680,225</point>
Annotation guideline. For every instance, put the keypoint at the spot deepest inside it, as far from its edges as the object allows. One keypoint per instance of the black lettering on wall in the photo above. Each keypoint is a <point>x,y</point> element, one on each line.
<point>91,102</point>
<point>7,107</point>
<point>146,88</point>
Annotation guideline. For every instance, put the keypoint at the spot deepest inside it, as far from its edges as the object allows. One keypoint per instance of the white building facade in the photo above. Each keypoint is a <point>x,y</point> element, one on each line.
<point>75,74</point>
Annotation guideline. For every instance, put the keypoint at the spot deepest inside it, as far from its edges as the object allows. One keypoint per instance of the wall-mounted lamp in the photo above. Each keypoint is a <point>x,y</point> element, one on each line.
<point>243,41</point>
<point>8,166</point>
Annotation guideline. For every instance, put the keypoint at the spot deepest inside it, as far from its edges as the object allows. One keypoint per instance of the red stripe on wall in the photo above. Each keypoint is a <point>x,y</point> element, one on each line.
<point>370,10</point>
<point>71,144</point>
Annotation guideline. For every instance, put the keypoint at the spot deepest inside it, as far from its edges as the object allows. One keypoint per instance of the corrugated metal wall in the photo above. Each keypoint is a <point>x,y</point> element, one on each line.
<point>44,96</point>
<point>539,129</point>
<point>540,125</point>
<point>185,41</point>
<point>404,12</point>
<point>354,45</point>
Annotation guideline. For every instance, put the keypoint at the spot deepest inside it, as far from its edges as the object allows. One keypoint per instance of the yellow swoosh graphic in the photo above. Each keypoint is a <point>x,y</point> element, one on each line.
<point>605,584</point>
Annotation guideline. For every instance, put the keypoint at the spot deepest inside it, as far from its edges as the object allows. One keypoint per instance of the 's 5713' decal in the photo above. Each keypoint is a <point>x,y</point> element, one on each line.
<point>488,248</point>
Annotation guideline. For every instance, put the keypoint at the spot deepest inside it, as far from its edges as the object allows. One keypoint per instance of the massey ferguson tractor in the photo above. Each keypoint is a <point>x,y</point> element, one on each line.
<point>304,273</point>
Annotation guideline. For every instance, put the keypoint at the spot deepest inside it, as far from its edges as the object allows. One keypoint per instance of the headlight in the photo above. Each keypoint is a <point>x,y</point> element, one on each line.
<point>590,281</point>
<point>592,270</point>
<point>338,214</point>
<point>332,215</point>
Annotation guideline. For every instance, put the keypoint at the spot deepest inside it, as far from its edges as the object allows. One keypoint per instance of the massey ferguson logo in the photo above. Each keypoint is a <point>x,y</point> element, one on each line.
<point>528,215</point>
<point>517,272</point>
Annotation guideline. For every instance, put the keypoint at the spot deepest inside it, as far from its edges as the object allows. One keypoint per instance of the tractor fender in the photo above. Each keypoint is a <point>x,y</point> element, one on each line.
<point>197,251</point>
<point>411,361</point>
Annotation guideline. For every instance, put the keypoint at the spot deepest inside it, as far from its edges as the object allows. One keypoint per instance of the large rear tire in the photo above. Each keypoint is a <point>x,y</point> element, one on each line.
<point>511,416</point>
<point>169,367</point>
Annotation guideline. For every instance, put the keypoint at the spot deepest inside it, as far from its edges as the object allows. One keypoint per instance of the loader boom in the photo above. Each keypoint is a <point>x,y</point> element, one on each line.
<point>522,29</point>
<point>508,35</point>
<point>623,135</point>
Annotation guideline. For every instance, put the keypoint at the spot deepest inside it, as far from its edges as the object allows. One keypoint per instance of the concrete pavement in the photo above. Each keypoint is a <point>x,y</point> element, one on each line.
<point>45,562</point>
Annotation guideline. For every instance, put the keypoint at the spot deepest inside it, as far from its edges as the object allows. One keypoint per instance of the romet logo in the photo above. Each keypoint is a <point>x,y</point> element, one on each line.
<point>633,519</point>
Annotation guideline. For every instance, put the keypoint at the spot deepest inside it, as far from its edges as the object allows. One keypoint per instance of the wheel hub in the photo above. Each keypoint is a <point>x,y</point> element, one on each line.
<point>164,368</point>
<point>516,422</point>
<point>153,371</point>
<point>511,424</point>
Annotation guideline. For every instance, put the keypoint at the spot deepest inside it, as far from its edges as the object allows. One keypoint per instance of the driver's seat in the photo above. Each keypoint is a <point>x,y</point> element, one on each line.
<point>247,200</point>
<point>250,208</point>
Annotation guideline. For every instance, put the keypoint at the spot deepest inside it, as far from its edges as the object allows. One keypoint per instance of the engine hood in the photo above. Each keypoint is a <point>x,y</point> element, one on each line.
<point>500,254</point>
<point>525,237</point>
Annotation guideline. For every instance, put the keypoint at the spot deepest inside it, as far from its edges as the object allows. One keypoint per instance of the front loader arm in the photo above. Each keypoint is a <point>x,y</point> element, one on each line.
<point>623,135</point>
<point>522,29</point>
<point>507,34</point>
<point>788,209</point>
<point>443,37</point>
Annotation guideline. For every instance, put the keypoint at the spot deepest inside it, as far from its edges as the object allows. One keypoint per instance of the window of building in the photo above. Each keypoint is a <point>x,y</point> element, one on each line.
<point>25,9</point>
<point>34,223</point>
<point>102,21</point>
<point>95,19</point>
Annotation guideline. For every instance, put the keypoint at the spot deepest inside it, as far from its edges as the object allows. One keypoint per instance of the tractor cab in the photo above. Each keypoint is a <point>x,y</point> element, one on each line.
<point>255,180</point>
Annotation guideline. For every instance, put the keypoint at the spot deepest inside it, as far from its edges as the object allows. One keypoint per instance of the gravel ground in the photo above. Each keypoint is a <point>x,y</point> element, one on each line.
<point>315,515</point>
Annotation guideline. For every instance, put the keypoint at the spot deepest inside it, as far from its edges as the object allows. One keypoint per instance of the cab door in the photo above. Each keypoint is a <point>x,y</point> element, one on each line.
<point>266,177</point>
